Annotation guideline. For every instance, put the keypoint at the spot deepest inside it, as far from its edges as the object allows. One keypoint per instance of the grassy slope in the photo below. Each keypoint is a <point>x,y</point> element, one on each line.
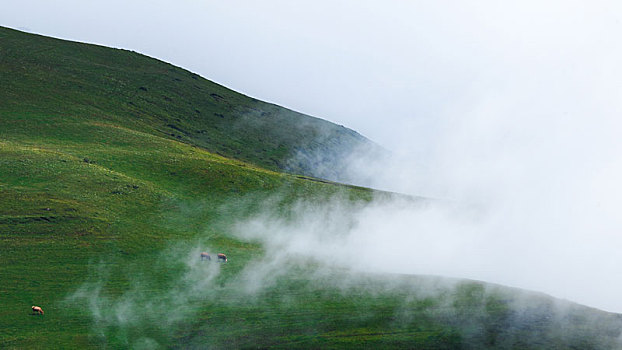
<point>92,200</point>
<point>58,78</point>
<point>76,191</point>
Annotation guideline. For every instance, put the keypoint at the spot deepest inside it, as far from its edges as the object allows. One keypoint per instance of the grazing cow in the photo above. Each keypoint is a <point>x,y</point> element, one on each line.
<point>205,256</point>
<point>222,257</point>
<point>37,310</point>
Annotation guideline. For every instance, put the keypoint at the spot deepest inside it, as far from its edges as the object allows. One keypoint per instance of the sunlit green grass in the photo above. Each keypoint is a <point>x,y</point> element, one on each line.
<point>79,194</point>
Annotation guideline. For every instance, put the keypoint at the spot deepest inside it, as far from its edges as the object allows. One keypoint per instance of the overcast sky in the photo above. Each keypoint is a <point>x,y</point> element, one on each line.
<point>512,105</point>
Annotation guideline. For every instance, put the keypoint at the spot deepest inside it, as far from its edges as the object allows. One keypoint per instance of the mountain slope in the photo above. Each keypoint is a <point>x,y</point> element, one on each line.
<point>103,216</point>
<point>102,226</point>
<point>54,77</point>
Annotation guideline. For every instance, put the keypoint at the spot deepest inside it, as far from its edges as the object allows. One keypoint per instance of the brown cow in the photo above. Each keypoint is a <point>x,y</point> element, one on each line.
<point>222,257</point>
<point>37,310</point>
<point>205,256</point>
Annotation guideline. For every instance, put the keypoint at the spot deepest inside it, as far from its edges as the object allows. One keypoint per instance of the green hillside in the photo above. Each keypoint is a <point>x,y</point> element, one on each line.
<point>58,78</point>
<point>103,214</point>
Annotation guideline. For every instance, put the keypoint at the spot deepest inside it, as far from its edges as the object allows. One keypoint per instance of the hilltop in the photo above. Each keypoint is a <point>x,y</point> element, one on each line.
<point>58,78</point>
<point>109,193</point>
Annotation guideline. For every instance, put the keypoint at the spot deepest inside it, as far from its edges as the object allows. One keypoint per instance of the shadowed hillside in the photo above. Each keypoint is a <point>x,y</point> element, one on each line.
<point>54,77</point>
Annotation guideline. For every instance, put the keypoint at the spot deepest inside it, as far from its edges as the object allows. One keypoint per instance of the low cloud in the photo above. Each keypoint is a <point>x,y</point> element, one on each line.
<point>145,305</point>
<point>530,220</point>
<point>339,248</point>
